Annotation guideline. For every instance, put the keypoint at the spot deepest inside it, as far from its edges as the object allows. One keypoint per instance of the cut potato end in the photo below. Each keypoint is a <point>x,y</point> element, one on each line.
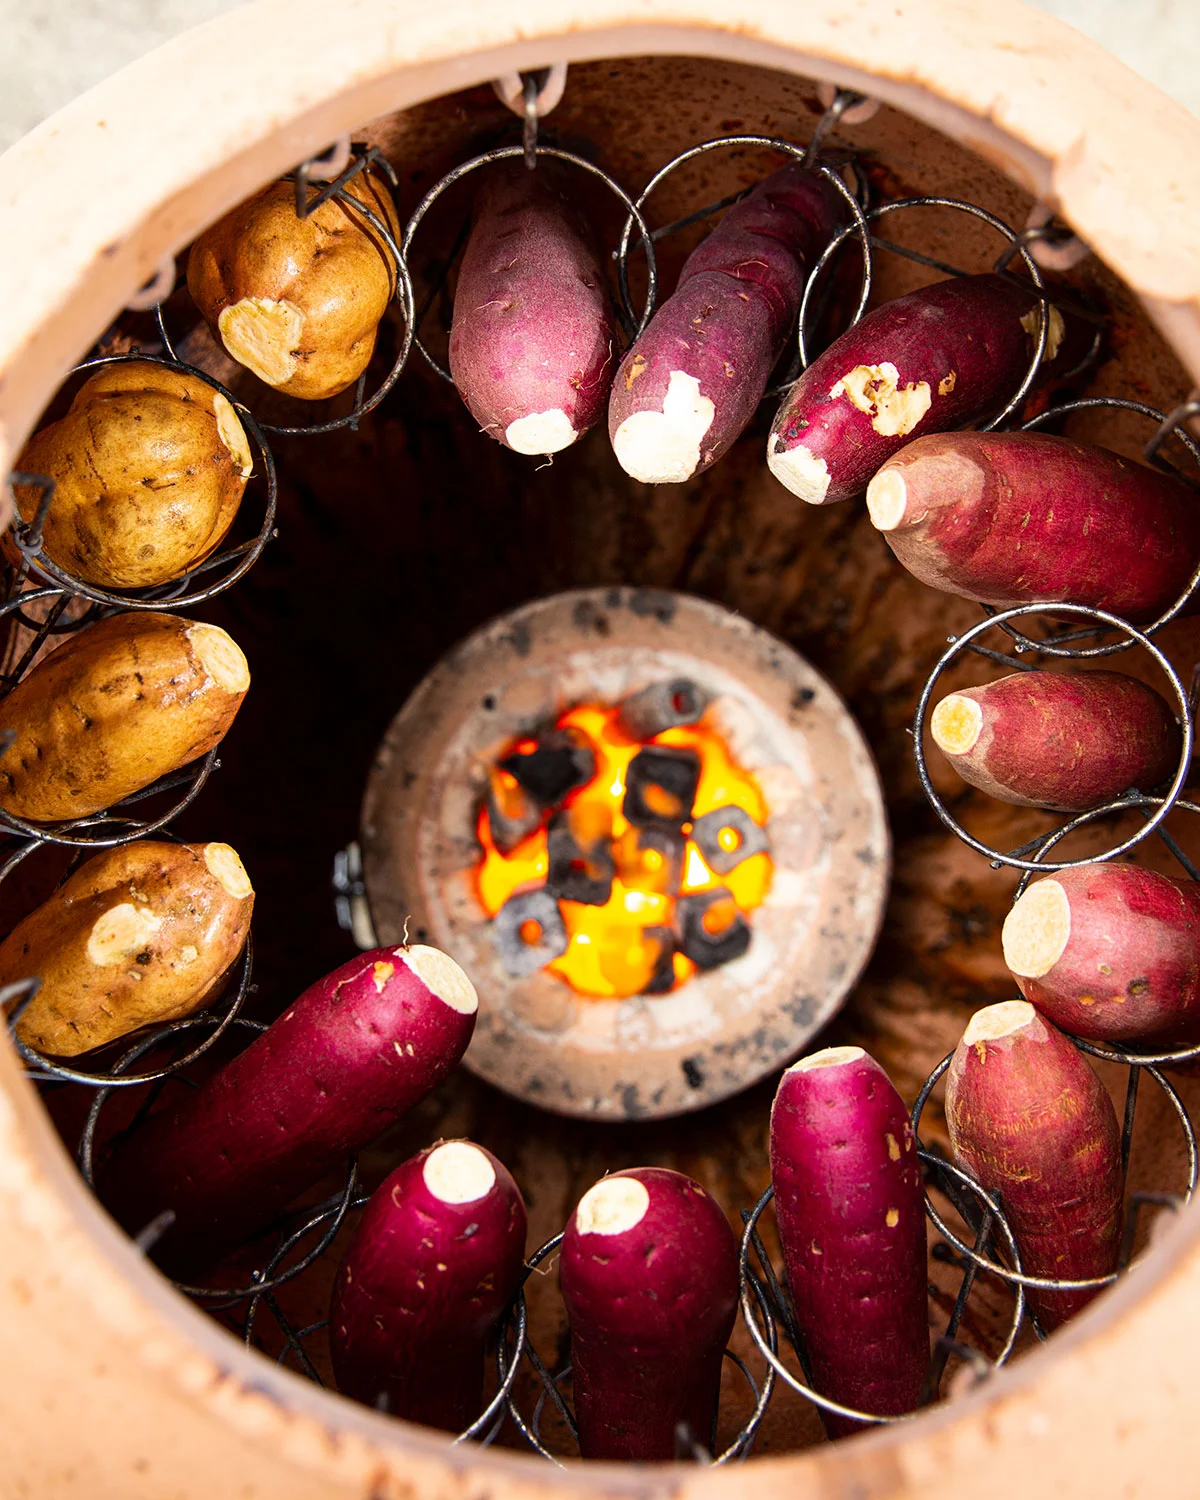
<point>1037,930</point>
<point>457,1172</point>
<point>121,932</point>
<point>442,977</point>
<point>828,1057</point>
<point>996,1021</point>
<point>233,435</point>
<point>540,432</point>
<point>956,724</point>
<point>799,470</point>
<point>263,335</point>
<point>887,499</point>
<point>1054,332</point>
<point>220,656</point>
<point>613,1206</point>
<point>663,447</point>
<point>226,868</point>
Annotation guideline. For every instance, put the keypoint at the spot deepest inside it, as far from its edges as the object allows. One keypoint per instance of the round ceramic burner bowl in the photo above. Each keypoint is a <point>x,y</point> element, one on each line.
<point>725,1027</point>
<point>111,1384</point>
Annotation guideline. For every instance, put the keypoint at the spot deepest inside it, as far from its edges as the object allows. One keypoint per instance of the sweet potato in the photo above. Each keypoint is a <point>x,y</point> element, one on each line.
<point>687,387</point>
<point>942,357</point>
<point>649,1278</point>
<point>437,1256</point>
<point>851,1213</point>
<point>1030,1121</point>
<point>115,707</point>
<point>1110,952</point>
<point>1019,518</point>
<point>298,302</point>
<point>139,934</point>
<point>356,1051</point>
<point>149,464</point>
<point>1054,739</point>
<point>533,340</point>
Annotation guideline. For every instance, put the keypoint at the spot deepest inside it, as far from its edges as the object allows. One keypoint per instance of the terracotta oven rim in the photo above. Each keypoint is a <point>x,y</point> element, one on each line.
<point>1010,82</point>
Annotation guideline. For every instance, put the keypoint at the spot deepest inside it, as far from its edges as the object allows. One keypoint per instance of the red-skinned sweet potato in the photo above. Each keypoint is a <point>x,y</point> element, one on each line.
<point>1030,1120</point>
<point>356,1051</point>
<point>1054,739</point>
<point>851,1214</point>
<point>1019,518</point>
<point>437,1256</point>
<point>942,357</point>
<point>687,387</point>
<point>533,340</point>
<point>649,1278</point>
<point>1110,952</point>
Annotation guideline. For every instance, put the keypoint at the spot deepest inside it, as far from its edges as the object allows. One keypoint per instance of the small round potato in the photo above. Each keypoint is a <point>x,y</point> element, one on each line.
<point>149,464</point>
<point>298,301</point>
<point>139,934</point>
<point>115,707</point>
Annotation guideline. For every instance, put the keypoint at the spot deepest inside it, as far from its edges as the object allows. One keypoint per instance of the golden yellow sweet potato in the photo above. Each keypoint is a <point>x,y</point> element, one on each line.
<point>139,934</point>
<point>150,465</point>
<point>297,301</point>
<point>115,707</point>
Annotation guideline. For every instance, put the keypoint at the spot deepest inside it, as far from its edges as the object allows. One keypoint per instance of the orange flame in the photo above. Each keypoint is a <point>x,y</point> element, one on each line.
<point>610,952</point>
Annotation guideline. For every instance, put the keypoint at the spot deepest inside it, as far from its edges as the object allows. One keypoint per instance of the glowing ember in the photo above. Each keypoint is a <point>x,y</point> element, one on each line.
<point>657,871</point>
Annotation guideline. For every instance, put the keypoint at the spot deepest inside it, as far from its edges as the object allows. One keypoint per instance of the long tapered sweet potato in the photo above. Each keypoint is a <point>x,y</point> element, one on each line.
<point>942,357</point>
<point>851,1212</point>
<point>649,1278</point>
<point>687,387</point>
<point>1054,739</point>
<point>1030,1120</point>
<point>533,341</point>
<point>1019,518</point>
<point>141,933</point>
<point>437,1256</point>
<point>356,1051</point>
<point>112,709</point>
<point>1110,952</point>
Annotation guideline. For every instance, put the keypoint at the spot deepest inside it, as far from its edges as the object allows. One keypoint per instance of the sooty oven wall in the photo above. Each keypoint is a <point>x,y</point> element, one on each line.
<point>397,540</point>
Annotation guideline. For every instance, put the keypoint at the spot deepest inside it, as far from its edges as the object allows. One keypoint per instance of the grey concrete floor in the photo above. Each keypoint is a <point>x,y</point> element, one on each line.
<point>51,50</point>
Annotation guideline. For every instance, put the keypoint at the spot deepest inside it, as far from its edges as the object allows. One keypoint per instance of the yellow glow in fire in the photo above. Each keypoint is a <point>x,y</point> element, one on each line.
<point>610,954</point>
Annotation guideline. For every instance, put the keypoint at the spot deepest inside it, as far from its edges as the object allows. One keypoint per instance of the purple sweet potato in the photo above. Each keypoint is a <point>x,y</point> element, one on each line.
<point>434,1261</point>
<point>942,357</point>
<point>1069,741</point>
<point>851,1213</point>
<point>689,385</point>
<point>649,1278</point>
<point>533,340</point>
<point>1020,518</point>
<point>356,1051</point>
<point>1110,952</point>
<point>1030,1121</point>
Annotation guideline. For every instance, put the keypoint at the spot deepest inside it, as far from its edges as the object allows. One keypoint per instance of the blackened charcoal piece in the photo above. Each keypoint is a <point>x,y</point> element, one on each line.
<point>726,836</point>
<point>512,812</point>
<point>660,787</point>
<point>529,915</point>
<point>664,965</point>
<point>578,871</point>
<point>709,949</point>
<point>669,843</point>
<point>662,705</point>
<point>558,763</point>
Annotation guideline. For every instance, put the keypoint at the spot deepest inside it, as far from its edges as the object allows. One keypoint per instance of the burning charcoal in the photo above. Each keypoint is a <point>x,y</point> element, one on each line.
<point>581,862</point>
<point>651,859</point>
<point>662,705</point>
<point>660,787</point>
<point>712,929</point>
<point>664,965</point>
<point>528,932</point>
<point>557,764</point>
<point>726,836</point>
<point>512,812</point>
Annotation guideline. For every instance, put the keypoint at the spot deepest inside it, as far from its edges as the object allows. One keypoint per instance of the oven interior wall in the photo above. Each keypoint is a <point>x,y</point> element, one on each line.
<point>398,539</point>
